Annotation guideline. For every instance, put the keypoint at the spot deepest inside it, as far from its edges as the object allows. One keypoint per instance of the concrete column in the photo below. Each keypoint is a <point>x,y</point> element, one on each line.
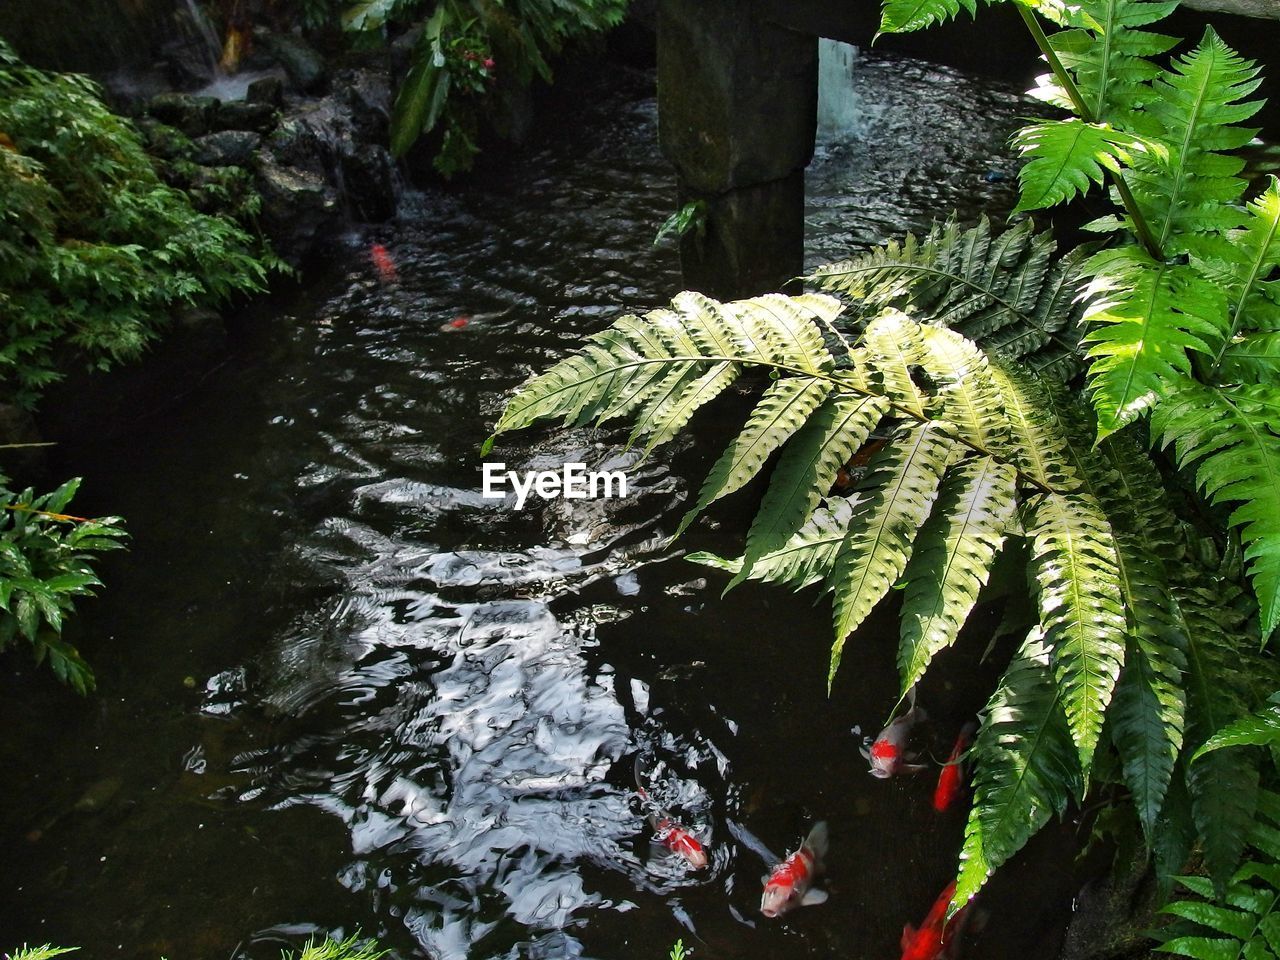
<point>737,100</point>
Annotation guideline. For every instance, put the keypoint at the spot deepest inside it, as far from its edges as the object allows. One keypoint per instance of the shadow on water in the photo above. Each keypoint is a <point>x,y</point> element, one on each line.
<point>341,690</point>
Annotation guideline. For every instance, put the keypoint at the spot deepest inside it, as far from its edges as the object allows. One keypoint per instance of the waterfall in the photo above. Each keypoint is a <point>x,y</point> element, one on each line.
<point>202,39</point>
<point>840,115</point>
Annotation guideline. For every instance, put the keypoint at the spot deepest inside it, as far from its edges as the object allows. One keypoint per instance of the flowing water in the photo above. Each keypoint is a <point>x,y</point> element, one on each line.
<point>340,690</point>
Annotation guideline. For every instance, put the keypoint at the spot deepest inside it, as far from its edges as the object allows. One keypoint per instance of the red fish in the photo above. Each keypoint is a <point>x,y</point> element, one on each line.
<point>457,323</point>
<point>938,938</point>
<point>791,882</point>
<point>951,780</point>
<point>671,833</point>
<point>888,752</point>
<point>383,263</point>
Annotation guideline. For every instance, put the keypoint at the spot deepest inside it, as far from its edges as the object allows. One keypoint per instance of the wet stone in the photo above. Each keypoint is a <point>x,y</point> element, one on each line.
<point>243,115</point>
<point>304,66</point>
<point>191,114</point>
<point>226,149</point>
<point>269,90</point>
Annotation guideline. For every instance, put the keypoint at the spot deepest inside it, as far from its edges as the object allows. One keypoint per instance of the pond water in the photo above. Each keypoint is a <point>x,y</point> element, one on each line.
<point>339,690</point>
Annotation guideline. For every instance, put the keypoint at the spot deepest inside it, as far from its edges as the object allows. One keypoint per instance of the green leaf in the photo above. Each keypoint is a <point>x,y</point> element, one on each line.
<point>1261,729</point>
<point>1231,438</point>
<point>1064,157</point>
<point>952,560</point>
<point>1025,768</point>
<point>807,468</point>
<point>418,105</point>
<point>900,489</point>
<point>1143,317</point>
<point>785,406</point>
<point>904,16</point>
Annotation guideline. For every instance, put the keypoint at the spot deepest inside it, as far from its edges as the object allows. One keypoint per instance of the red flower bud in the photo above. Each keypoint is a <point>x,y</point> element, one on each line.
<point>488,64</point>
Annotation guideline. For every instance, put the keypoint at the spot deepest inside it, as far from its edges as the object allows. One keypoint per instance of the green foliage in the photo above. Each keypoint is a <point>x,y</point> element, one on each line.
<point>692,216</point>
<point>94,249</point>
<point>1006,291</point>
<point>39,953</point>
<point>978,452</point>
<point>350,949</point>
<point>1065,157</point>
<point>463,46</point>
<point>1259,729</point>
<point>1242,920</point>
<point>46,561</point>
<point>678,952</point>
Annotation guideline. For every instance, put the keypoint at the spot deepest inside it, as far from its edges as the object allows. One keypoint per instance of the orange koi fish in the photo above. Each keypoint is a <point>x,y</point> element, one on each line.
<point>951,780</point>
<point>670,832</point>
<point>791,882</point>
<point>938,938</point>
<point>383,263</point>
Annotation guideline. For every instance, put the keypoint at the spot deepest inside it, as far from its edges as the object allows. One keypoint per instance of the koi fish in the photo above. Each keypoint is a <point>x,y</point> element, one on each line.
<point>671,833</point>
<point>457,323</point>
<point>383,263</point>
<point>951,780</point>
<point>887,752</point>
<point>791,882</point>
<point>938,938</point>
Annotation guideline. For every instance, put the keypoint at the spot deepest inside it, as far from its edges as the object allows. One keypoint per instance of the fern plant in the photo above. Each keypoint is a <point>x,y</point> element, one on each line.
<point>981,452</point>
<point>1243,921</point>
<point>1181,309</point>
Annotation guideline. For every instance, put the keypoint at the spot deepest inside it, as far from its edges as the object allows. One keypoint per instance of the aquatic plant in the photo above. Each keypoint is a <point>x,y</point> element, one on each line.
<point>350,949</point>
<point>462,47</point>
<point>95,251</point>
<point>45,952</point>
<point>961,350</point>
<point>46,561</point>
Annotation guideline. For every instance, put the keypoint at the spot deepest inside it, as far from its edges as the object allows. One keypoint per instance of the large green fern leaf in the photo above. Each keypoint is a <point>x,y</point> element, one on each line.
<point>1249,258</point>
<point>807,469</point>
<point>1025,768</point>
<point>899,491</point>
<point>1006,293</point>
<point>952,559</point>
<point>1064,157</point>
<point>1232,438</point>
<point>1143,318</point>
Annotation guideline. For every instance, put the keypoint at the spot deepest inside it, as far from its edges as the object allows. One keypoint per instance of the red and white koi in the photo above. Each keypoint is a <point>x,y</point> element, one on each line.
<point>888,752</point>
<point>790,884</point>
<point>951,782</point>
<point>938,938</point>
<point>670,832</point>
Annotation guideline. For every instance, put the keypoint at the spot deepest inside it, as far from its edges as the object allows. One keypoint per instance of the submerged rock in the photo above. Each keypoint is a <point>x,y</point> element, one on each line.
<point>269,90</point>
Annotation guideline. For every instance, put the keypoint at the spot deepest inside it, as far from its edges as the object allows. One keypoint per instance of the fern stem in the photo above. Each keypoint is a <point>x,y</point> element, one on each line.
<point>1140,225</point>
<point>25,508</point>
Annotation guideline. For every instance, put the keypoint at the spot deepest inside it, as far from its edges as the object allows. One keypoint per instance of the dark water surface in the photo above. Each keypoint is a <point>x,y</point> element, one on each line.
<point>340,690</point>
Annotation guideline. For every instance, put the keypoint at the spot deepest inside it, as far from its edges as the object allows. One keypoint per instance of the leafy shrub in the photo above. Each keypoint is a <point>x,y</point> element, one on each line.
<point>464,44</point>
<point>94,249</point>
<point>46,560</point>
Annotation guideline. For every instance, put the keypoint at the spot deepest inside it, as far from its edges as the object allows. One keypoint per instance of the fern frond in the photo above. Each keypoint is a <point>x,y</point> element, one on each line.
<point>785,406</point>
<point>1232,438</point>
<point>1148,711</point>
<point>952,560</point>
<point>1223,787</point>
<point>904,16</point>
<point>898,493</point>
<point>1005,293</point>
<point>1249,258</point>
<point>1026,768</point>
<point>895,346</point>
<point>661,367</point>
<point>1199,104</point>
<point>1143,317</point>
<point>806,469</point>
<point>966,394</point>
<point>1108,54</point>
<point>806,558</point>
<point>1258,729</point>
<point>1064,157</point>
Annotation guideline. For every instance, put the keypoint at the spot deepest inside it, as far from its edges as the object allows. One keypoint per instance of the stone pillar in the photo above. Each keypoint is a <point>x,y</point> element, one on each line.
<point>737,101</point>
